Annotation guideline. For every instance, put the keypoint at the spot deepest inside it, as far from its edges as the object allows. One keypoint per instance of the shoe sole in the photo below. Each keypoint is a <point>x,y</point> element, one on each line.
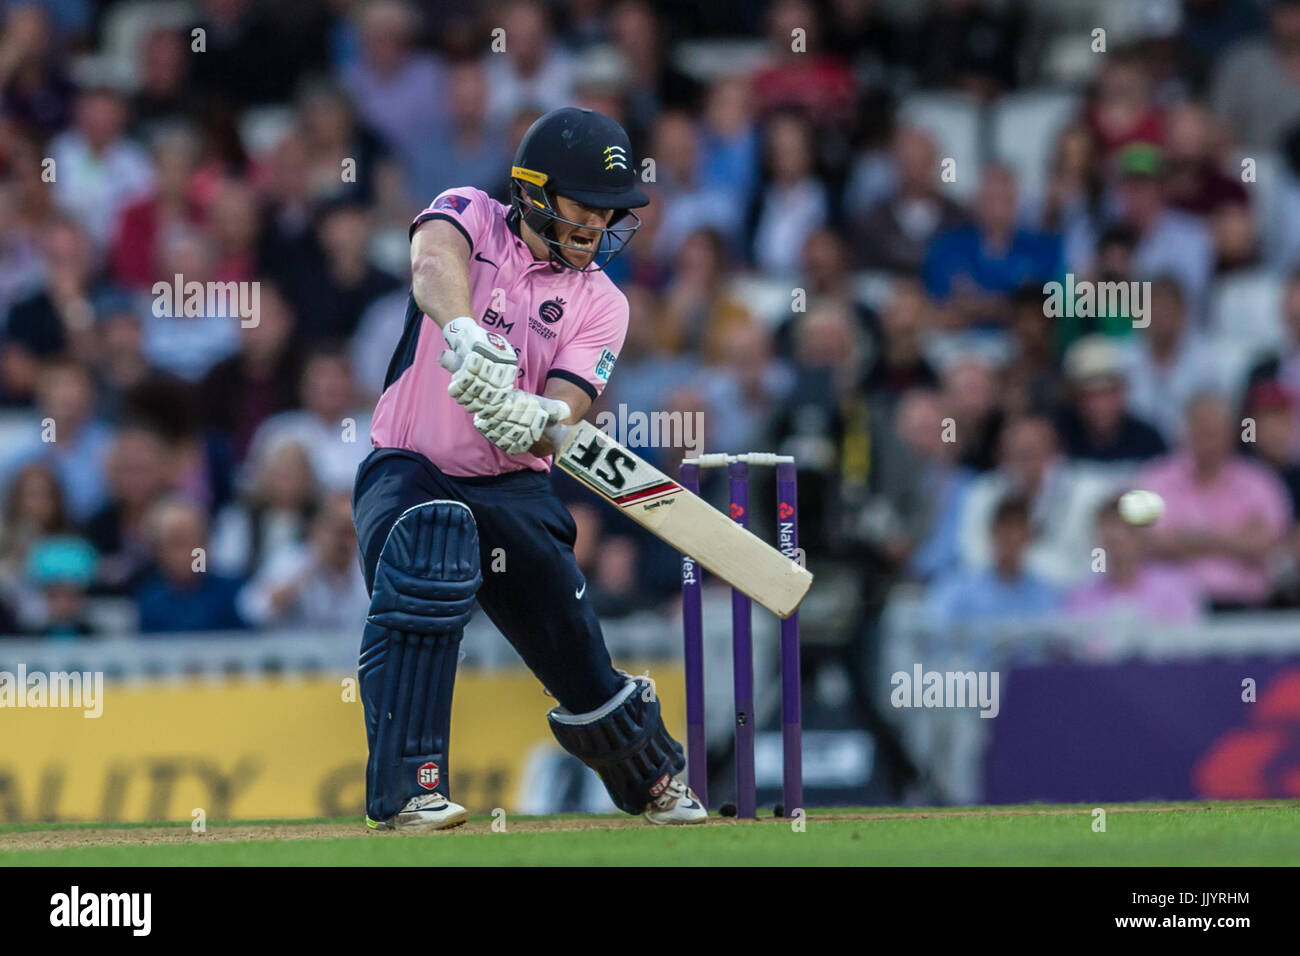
<point>448,823</point>
<point>675,823</point>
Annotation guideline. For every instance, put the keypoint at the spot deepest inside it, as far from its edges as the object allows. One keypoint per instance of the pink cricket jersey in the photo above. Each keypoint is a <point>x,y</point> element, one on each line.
<point>563,324</point>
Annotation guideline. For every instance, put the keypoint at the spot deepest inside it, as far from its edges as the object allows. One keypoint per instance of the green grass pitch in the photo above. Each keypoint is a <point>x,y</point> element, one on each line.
<point>1259,833</point>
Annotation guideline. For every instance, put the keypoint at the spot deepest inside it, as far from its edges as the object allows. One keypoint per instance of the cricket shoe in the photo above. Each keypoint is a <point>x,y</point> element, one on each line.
<point>429,811</point>
<point>677,805</point>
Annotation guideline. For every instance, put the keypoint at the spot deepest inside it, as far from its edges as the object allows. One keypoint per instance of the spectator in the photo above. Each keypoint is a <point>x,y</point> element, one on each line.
<point>471,149</point>
<point>333,138</point>
<point>829,357</point>
<point>233,223</point>
<point>172,203</point>
<point>894,233</point>
<point>1031,378</point>
<point>56,318</point>
<point>187,336</point>
<point>1097,426</point>
<point>1075,184</point>
<point>1004,591</point>
<point>920,486</point>
<point>1257,85</point>
<point>61,571</point>
<point>969,385</point>
<point>258,381</point>
<point>315,585</point>
<point>371,346</point>
<point>37,94</point>
<point>334,285</point>
<point>1169,363</point>
<point>329,425</point>
<point>138,469</point>
<point>100,171</point>
<point>398,92</point>
<point>164,96</point>
<point>792,202</point>
<point>33,509</point>
<point>803,78</point>
<point>1271,413</point>
<point>743,385</point>
<point>21,264</point>
<point>728,138</point>
<point>534,71</point>
<point>272,515</point>
<point>973,270</point>
<point>971,45</point>
<point>1063,498</point>
<point>1127,583</point>
<point>698,306</point>
<point>898,363</point>
<point>1284,364</point>
<point>1122,111</point>
<point>1224,514</point>
<point>248,59</point>
<point>1169,241</point>
<point>67,436</point>
<point>1195,182</point>
<point>687,204</point>
<point>1210,28</point>
<point>181,595</point>
<point>1114,261</point>
<point>653,83</point>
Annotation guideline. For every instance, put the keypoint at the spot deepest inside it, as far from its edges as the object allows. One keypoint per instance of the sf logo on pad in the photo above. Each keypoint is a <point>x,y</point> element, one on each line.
<point>427,776</point>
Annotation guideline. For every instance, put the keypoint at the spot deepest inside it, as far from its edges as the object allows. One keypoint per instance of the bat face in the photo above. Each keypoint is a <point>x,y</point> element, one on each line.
<point>683,520</point>
<point>608,468</point>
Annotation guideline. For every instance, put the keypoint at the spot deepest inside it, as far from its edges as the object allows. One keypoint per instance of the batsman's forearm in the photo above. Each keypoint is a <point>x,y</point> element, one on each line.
<point>440,285</point>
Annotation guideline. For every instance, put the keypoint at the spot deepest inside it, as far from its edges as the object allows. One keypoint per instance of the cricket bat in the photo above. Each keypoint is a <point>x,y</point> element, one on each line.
<point>684,520</point>
<point>671,513</point>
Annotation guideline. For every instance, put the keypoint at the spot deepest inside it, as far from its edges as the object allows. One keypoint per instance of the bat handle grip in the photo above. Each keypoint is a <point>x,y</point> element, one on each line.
<point>557,435</point>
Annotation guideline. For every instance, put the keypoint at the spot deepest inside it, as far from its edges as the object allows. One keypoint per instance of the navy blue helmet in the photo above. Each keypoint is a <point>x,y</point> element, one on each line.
<point>584,156</point>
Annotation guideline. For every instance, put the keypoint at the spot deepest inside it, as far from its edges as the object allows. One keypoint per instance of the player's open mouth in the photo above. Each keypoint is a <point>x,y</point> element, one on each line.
<point>583,242</point>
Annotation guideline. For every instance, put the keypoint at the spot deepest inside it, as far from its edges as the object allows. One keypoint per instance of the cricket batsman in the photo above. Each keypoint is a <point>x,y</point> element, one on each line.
<point>514,299</point>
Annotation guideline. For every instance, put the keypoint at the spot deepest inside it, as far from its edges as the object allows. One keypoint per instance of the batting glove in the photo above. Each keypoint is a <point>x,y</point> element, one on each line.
<point>516,424</point>
<point>483,364</point>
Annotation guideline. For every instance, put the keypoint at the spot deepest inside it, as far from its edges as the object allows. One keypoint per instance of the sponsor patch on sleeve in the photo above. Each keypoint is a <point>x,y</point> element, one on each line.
<point>453,202</point>
<point>606,365</point>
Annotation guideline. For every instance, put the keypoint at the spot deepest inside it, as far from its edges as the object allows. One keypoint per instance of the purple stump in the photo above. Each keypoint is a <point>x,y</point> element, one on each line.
<point>697,762</point>
<point>742,650</point>
<point>787,536</point>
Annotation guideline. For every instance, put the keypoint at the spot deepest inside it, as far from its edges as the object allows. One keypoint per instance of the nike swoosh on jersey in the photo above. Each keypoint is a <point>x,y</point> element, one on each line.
<point>481,258</point>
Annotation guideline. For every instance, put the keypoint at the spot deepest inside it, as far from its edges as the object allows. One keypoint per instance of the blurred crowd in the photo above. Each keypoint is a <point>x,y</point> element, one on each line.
<point>815,276</point>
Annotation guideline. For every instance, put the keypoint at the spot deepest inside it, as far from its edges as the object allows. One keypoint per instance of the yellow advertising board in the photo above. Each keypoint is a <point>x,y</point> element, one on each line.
<point>253,749</point>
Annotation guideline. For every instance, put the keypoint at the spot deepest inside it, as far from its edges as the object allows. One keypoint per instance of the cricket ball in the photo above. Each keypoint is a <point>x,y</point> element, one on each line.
<point>1141,507</point>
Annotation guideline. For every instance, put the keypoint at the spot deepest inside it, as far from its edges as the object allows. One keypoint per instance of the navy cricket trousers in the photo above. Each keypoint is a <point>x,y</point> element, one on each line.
<point>532,588</point>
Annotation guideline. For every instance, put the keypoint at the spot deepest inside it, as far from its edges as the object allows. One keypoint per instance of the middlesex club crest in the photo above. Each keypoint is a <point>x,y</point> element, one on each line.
<point>428,775</point>
<point>615,158</point>
<point>551,311</point>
